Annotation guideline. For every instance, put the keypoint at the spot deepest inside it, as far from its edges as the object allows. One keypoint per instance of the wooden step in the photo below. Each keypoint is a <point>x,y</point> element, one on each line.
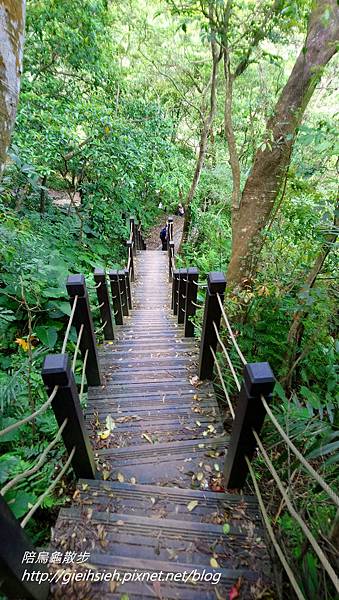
<point>166,463</point>
<point>159,502</point>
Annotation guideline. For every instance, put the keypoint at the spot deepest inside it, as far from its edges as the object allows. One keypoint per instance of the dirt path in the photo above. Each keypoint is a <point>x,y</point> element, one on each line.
<point>153,240</point>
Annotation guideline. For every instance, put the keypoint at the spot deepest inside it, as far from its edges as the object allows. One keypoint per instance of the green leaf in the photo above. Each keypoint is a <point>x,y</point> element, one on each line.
<point>21,503</point>
<point>47,335</point>
<point>226,528</point>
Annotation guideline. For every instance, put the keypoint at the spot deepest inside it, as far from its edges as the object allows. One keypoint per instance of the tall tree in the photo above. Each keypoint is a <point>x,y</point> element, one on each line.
<point>12,25</point>
<point>262,186</point>
<point>208,118</point>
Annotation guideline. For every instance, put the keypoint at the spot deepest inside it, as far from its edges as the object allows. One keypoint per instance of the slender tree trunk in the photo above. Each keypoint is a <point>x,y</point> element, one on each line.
<point>296,331</point>
<point>205,132</point>
<point>12,25</point>
<point>262,186</point>
<point>42,205</point>
<point>229,132</point>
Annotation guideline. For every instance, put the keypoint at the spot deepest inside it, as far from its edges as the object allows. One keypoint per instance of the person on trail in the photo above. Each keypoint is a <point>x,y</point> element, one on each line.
<point>181,210</point>
<point>163,237</point>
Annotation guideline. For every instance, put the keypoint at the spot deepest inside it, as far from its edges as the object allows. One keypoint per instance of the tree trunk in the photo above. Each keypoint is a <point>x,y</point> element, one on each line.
<point>206,129</point>
<point>262,186</point>
<point>229,132</point>
<point>12,25</point>
<point>296,331</point>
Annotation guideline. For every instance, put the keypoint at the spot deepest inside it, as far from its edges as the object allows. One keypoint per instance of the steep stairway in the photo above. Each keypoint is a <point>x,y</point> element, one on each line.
<point>159,445</point>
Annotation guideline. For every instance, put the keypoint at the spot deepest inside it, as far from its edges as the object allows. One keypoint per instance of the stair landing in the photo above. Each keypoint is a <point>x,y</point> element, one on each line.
<point>160,447</point>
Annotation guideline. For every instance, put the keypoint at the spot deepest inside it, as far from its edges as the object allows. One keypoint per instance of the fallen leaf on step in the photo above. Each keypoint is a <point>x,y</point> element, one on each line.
<point>226,528</point>
<point>234,593</point>
<point>105,475</point>
<point>133,480</point>
<point>192,505</point>
<point>104,434</point>
<point>84,487</point>
<point>89,514</point>
<point>120,477</point>
<point>120,523</point>
<point>214,563</point>
<point>200,476</point>
<point>147,437</point>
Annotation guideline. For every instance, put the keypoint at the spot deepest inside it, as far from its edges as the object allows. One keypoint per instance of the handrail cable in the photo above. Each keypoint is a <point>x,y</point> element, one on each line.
<point>323,559</point>
<point>230,364</point>
<point>96,287</point>
<point>274,541</point>
<point>32,416</point>
<point>197,305</point>
<point>77,347</point>
<point>37,466</point>
<point>298,454</point>
<point>230,405</point>
<point>49,489</point>
<point>83,375</point>
<point>70,322</point>
<point>244,361</point>
<point>101,328</point>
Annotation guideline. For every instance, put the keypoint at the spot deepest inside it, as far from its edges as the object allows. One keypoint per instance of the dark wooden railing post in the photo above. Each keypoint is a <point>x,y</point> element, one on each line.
<point>15,573</point>
<point>76,286</point>
<point>104,303</point>
<point>57,370</point>
<point>123,292</point>
<point>116,297</point>
<point>170,250</point>
<point>191,297</point>
<point>128,288</point>
<point>249,415</point>
<point>129,245</point>
<point>170,229</point>
<point>182,295</point>
<point>136,235</point>
<point>132,229</point>
<point>139,236</point>
<point>216,284</point>
<point>175,290</point>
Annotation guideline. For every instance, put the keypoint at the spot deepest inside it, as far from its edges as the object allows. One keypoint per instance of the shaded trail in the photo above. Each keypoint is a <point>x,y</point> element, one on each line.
<point>158,508</point>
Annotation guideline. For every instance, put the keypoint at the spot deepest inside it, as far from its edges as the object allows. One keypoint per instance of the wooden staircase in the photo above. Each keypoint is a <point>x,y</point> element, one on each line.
<point>160,505</point>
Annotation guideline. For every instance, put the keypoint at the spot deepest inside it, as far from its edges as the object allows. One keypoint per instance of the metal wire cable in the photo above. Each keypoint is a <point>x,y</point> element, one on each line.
<point>202,285</point>
<point>48,491</point>
<point>323,559</point>
<point>77,347</point>
<point>101,328</point>
<point>33,415</point>
<point>228,358</point>
<point>242,358</point>
<point>271,533</point>
<point>37,466</point>
<point>83,375</point>
<point>230,405</point>
<point>197,305</point>
<point>70,322</point>
<point>298,454</point>
<point>96,287</point>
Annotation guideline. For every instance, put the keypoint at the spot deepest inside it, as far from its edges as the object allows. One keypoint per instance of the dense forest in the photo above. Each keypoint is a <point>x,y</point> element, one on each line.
<point>227,107</point>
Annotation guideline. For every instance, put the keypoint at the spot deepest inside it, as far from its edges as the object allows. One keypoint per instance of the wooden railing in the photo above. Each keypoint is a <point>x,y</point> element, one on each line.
<point>64,399</point>
<point>251,407</point>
